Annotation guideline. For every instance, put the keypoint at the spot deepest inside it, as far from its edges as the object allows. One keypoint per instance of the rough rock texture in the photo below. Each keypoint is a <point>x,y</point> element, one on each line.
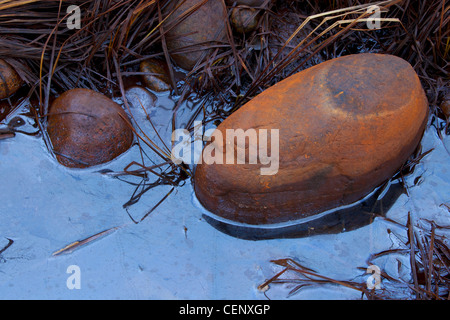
<point>10,81</point>
<point>345,126</point>
<point>86,128</point>
<point>158,81</point>
<point>200,29</point>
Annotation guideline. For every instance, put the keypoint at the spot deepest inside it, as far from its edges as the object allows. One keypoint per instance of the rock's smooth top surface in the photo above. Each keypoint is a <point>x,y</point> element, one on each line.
<point>197,31</point>
<point>345,127</point>
<point>87,128</point>
<point>10,81</point>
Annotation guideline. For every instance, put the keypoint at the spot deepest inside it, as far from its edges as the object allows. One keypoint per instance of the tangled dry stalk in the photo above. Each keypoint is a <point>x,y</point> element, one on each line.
<point>429,257</point>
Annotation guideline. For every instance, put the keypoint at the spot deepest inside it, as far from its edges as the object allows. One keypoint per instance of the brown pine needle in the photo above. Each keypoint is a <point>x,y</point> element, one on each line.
<point>80,243</point>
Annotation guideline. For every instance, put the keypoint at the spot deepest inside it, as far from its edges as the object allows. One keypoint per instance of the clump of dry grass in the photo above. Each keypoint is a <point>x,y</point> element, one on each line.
<point>429,261</point>
<point>55,58</point>
<point>429,265</point>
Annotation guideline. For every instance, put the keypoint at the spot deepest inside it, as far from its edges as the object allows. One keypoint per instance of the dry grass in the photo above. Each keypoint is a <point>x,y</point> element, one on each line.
<point>428,279</point>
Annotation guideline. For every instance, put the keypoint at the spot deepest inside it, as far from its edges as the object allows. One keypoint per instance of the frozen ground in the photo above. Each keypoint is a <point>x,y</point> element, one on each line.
<point>174,253</point>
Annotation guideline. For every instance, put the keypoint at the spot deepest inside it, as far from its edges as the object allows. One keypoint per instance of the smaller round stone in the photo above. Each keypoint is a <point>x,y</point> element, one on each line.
<point>159,80</point>
<point>192,33</point>
<point>244,20</point>
<point>10,80</point>
<point>87,128</point>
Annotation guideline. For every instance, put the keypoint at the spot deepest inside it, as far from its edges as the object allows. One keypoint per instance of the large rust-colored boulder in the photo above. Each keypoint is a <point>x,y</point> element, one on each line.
<point>10,80</point>
<point>87,128</point>
<point>193,28</point>
<point>345,127</point>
